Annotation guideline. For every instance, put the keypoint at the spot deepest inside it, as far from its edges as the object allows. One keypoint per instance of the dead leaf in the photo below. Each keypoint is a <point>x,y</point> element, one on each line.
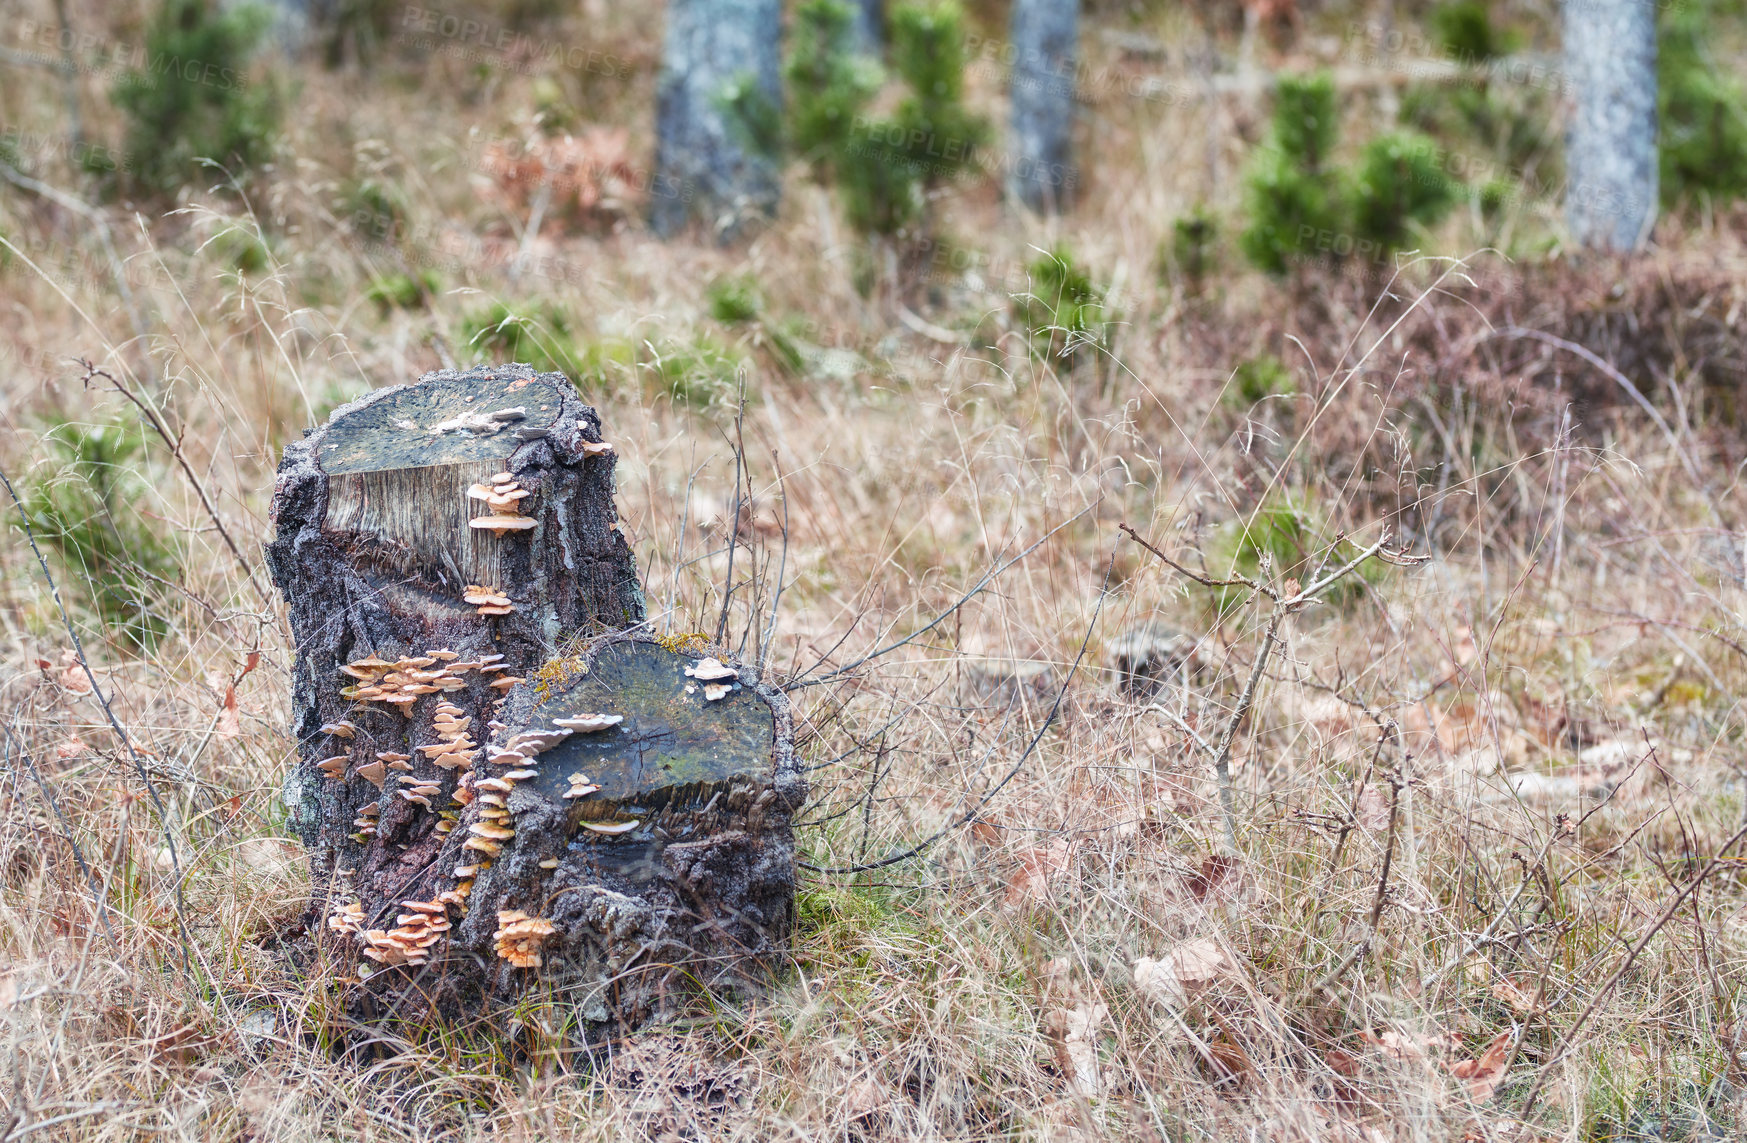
<point>1180,973</point>
<point>866,1098</point>
<point>1033,881</point>
<point>229,725</point>
<point>1228,1061</point>
<point>1371,811</point>
<point>1342,1063</point>
<point>1520,1002</point>
<point>1215,868</point>
<point>73,676</point>
<point>71,748</point>
<point>1075,1032</point>
<point>1486,1072</point>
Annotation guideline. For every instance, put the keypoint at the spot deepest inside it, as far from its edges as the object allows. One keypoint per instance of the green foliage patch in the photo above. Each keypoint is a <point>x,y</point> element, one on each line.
<point>1300,204</point>
<point>194,99</point>
<point>87,507</point>
<point>1702,112</point>
<point>881,166</point>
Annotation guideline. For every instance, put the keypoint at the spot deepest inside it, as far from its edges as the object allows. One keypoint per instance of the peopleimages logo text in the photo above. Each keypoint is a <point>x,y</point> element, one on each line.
<point>503,40</point>
<point>95,54</point>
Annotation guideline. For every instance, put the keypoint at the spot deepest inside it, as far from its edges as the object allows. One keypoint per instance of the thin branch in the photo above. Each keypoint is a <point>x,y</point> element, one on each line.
<point>1364,944</point>
<point>173,442</point>
<point>988,577</point>
<point>989,796</point>
<point>126,740</point>
<point>1568,1043</point>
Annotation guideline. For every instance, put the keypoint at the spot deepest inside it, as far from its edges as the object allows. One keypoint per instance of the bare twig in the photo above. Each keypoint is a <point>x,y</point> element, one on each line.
<point>162,811</point>
<point>173,442</point>
<point>988,796</point>
<point>1364,943</point>
<point>1286,600</point>
<point>1568,1043</point>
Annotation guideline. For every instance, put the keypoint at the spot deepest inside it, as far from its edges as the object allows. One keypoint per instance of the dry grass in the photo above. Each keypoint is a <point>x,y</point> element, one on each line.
<point>1535,733</point>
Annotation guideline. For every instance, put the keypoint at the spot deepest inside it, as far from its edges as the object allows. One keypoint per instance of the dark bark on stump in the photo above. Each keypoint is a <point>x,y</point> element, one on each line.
<point>1610,144</point>
<point>374,549</point>
<point>707,166</point>
<point>1045,45</point>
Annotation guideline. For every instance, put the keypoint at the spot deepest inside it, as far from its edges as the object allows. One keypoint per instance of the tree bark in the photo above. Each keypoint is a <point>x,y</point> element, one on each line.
<point>868,26</point>
<point>1610,148</point>
<point>448,865</point>
<point>711,163</point>
<point>1045,44</point>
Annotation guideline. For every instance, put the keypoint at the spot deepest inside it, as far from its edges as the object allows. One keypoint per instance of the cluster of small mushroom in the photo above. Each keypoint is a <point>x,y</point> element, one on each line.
<point>335,767</point>
<point>716,677</point>
<point>365,822</point>
<point>489,600</point>
<point>347,919</point>
<point>504,496</point>
<point>403,682</point>
<point>414,932</point>
<point>520,936</point>
<point>454,749</point>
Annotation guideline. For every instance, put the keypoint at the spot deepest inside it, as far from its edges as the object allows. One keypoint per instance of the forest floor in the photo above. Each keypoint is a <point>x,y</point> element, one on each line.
<point>1488,877</point>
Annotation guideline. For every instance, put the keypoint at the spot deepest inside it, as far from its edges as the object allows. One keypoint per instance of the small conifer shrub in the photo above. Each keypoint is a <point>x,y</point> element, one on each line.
<point>194,99</point>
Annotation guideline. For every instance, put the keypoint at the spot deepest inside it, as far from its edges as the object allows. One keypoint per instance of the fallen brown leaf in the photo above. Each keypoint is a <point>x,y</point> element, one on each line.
<point>1371,811</point>
<point>1486,1072</point>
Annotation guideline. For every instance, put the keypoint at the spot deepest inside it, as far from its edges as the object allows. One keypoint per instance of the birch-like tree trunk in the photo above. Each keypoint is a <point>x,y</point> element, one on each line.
<point>716,116</point>
<point>1045,33</point>
<point>868,26</point>
<point>1610,147</point>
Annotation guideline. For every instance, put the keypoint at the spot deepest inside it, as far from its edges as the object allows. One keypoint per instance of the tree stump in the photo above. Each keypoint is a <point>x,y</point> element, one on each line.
<point>438,544</point>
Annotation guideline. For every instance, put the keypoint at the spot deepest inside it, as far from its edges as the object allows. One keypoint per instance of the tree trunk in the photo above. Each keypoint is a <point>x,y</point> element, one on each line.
<point>1045,42</point>
<point>868,26</point>
<point>426,816</point>
<point>716,115</point>
<point>1610,147</point>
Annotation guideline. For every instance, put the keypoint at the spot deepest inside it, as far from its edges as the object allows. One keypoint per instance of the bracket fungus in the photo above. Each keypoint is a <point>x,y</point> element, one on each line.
<point>341,729</point>
<point>519,937</point>
<point>410,941</point>
<point>711,670</point>
<point>589,723</point>
<point>612,827</point>
<point>716,677</point>
<point>580,787</point>
<point>504,496</point>
<point>487,600</point>
<point>334,767</point>
<point>347,918</point>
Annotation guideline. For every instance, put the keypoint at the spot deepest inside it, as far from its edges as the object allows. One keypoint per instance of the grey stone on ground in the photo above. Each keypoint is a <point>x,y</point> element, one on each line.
<point>1150,654</point>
